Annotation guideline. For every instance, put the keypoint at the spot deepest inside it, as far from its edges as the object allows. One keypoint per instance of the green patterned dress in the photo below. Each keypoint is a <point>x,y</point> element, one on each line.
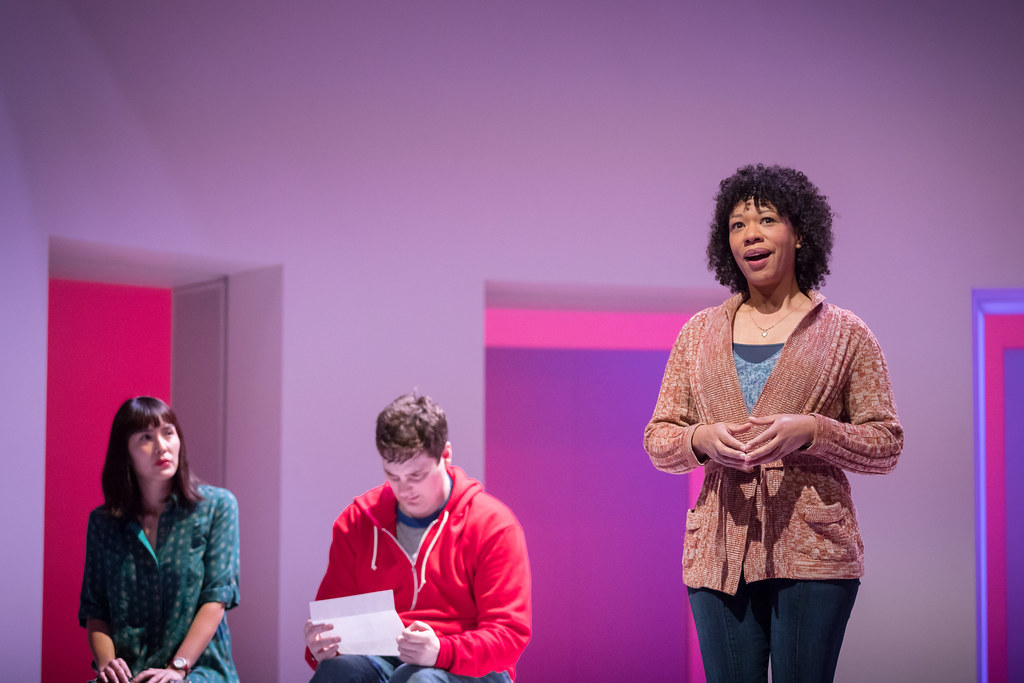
<point>149,596</point>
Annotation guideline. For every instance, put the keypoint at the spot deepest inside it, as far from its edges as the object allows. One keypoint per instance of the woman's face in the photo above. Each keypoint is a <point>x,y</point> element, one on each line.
<point>764,245</point>
<point>154,452</point>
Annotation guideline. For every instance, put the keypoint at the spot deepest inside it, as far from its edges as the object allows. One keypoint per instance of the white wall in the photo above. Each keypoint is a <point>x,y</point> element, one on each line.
<point>23,306</point>
<point>253,469</point>
<point>392,157</point>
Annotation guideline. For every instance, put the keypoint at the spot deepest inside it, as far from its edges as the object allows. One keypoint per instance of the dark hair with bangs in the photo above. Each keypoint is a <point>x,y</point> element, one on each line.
<point>411,425</point>
<point>121,494</point>
<point>793,196</point>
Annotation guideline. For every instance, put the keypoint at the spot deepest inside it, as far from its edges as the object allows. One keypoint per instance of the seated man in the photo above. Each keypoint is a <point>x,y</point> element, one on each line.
<point>454,555</point>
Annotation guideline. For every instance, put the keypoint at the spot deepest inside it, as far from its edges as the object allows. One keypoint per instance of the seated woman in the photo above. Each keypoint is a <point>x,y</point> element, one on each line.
<point>161,558</point>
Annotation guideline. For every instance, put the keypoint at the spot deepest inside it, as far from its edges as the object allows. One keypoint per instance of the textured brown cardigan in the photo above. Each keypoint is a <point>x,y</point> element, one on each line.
<point>792,518</point>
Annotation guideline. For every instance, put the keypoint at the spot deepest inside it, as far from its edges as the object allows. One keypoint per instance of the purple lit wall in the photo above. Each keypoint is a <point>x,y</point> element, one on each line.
<point>568,395</point>
<point>386,160</point>
<point>604,528</point>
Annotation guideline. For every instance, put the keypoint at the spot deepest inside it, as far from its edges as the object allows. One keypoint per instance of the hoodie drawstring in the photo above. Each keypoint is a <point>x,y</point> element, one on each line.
<point>373,559</point>
<point>423,570</point>
<point>416,585</point>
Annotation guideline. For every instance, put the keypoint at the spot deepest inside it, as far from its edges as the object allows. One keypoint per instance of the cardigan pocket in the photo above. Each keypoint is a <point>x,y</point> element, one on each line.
<point>829,534</point>
<point>696,536</point>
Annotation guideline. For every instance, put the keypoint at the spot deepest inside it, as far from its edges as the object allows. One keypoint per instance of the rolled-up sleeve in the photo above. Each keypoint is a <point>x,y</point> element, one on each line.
<point>221,561</point>
<point>94,602</point>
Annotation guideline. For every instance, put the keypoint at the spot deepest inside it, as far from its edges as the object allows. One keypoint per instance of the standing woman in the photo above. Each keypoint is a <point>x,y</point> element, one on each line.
<point>776,394</point>
<point>161,558</point>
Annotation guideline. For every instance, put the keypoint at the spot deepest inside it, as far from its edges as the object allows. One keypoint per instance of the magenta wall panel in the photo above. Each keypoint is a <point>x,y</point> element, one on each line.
<point>106,343</point>
<point>1013,411</point>
<point>553,329</point>
<point>999,405</point>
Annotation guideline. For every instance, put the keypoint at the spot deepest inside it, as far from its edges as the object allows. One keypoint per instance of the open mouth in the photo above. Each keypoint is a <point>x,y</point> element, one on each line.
<point>754,258</point>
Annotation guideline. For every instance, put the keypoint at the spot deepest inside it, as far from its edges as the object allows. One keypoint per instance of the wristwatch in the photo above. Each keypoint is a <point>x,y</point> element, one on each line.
<point>180,664</point>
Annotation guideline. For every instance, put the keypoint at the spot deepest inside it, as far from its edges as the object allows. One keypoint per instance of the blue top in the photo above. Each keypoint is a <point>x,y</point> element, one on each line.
<point>149,596</point>
<point>754,362</point>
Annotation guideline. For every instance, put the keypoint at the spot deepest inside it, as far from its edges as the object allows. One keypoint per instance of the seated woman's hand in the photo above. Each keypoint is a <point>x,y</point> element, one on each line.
<point>718,441</point>
<point>114,671</point>
<point>160,675</point>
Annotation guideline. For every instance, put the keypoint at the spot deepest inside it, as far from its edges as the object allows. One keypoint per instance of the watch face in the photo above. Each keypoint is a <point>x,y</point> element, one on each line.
<point>179,663</point>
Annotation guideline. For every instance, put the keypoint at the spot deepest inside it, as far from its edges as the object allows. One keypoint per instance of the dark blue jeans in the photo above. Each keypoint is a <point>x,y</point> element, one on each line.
<point>362,669</point>
<point>798,625</point>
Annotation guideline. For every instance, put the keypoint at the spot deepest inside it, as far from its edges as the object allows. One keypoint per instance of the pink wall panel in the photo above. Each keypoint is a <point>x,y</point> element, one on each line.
<point>580,329</point>
<point>1013,409</point>
<point>106,343</point>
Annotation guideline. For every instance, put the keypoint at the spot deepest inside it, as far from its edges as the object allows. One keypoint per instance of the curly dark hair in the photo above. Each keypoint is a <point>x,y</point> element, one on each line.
<point>794,197</point>
<point>411,425</point>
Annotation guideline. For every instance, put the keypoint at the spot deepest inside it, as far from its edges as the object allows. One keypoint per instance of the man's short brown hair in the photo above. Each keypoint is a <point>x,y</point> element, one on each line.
<point>411,425</point>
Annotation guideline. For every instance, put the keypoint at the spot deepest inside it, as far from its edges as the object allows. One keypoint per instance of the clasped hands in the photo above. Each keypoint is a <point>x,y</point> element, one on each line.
<point>417,644</point>
<point>785,433</point>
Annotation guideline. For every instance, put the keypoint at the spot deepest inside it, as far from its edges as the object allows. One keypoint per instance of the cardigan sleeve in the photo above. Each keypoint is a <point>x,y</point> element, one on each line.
<point>868,437</point>
<point>668,436</point>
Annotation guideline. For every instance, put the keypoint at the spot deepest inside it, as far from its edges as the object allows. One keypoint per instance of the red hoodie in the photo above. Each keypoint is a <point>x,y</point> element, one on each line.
<point>471,580</point>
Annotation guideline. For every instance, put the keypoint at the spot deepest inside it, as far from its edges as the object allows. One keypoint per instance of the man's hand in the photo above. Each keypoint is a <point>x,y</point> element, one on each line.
<point>418,644</point>
<point>321,646</point>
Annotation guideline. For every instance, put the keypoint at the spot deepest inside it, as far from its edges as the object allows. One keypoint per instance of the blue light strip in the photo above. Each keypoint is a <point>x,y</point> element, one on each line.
<point>980,501</point>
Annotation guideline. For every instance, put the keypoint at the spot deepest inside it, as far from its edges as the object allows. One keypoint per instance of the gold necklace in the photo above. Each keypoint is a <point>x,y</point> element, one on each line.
<point>764,330</point>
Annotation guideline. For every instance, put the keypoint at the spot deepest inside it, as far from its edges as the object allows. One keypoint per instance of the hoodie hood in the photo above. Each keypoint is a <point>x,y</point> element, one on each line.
<point>380,503</point>
<point>380,506</point>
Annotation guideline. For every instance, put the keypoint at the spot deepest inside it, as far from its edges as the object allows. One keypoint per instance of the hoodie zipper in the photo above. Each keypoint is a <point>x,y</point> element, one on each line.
<point>417,584</point>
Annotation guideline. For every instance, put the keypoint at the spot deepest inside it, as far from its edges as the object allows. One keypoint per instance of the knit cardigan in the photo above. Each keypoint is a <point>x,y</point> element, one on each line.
<point>792,518</point>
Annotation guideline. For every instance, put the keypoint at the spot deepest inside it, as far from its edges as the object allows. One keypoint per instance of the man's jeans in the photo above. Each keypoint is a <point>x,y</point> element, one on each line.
<point>369,669</point>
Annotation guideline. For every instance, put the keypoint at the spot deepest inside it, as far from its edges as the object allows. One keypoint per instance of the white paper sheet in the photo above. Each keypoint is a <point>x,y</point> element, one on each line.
<point>368,623</point>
